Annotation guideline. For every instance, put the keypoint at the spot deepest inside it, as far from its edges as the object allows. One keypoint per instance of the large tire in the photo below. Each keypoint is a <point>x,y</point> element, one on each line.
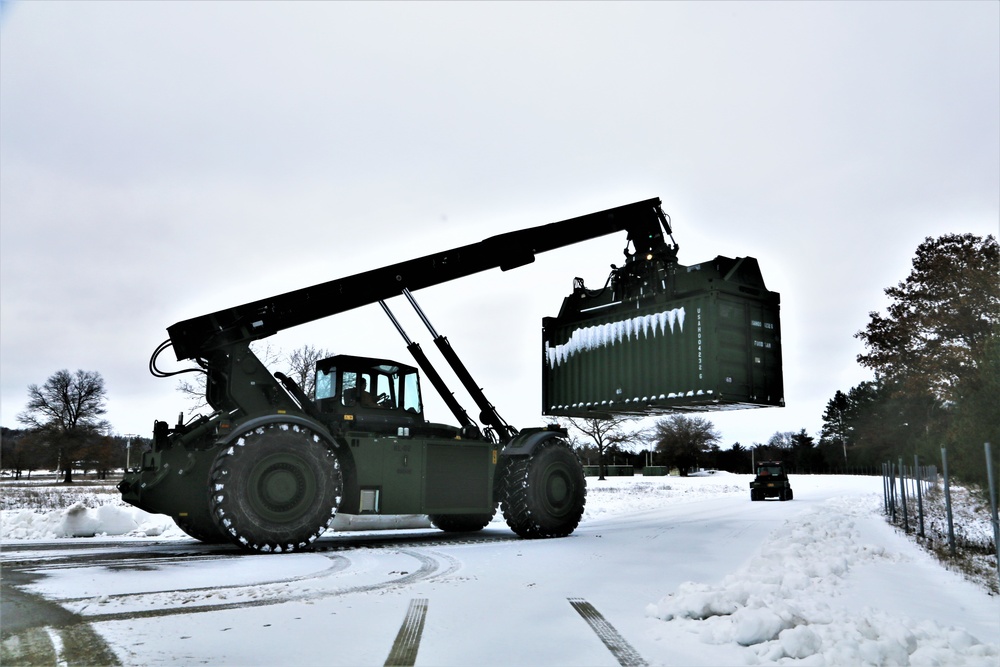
<point>544,494</point>
<point>276,489</point>
<point>461,523</point>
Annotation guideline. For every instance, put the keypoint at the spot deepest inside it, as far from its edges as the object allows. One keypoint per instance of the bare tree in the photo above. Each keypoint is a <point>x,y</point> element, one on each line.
<point>302,367</point>
<point>66,413</point>
<point>782,440</point>
<point>683,440</point>
<point>604,433</point>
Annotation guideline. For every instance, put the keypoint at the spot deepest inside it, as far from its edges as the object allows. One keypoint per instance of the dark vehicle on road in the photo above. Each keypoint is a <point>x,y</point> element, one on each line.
<point>771,482</point>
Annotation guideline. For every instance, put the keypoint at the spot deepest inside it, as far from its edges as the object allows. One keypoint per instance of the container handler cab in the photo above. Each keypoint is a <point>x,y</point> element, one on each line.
<point>271,467</point>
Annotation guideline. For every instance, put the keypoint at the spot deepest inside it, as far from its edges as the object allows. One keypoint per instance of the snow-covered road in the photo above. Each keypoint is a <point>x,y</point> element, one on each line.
<point>665,571</point>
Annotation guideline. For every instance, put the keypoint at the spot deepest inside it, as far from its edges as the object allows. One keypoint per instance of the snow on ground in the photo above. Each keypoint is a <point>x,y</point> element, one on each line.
<point>688,570</point>
<point>787,602</point>
<point>78,520</point>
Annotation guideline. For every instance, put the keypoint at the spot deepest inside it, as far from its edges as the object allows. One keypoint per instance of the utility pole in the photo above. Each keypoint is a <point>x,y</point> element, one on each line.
<point>128,449</point>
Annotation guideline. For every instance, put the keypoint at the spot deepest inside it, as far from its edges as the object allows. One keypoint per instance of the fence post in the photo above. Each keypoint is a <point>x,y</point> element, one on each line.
<point>902,494</point>
<point>892,490</point>
<point>885,488</point>
<point>993,506</point>
<point>947,502</point>
<point>920,497</point>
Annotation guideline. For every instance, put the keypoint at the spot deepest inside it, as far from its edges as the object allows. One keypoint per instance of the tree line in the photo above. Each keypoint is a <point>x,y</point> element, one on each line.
<point>935,356</point>
<point>688,444</point>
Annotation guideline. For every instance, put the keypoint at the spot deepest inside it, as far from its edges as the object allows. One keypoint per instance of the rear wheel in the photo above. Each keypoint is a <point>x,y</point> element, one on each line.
<point>544,494</point>
<point>277,488</point>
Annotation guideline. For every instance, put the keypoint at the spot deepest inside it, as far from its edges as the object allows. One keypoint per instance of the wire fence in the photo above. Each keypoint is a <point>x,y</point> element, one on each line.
<point>905,489</point>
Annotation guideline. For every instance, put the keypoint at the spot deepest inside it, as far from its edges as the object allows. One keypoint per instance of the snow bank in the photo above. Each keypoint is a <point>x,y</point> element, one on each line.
<point>782,604</point>
<point>107,520</point>
<point>79,520</point>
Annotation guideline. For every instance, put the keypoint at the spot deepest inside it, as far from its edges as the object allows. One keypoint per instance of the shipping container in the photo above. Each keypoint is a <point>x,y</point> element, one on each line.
<point>689,339</point>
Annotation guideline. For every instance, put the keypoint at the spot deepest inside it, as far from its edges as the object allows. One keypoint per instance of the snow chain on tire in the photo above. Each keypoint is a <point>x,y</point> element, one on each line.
<point>276,489</point>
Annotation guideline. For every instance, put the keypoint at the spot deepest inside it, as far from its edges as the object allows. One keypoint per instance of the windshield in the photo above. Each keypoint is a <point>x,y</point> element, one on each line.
<point>383,387</point>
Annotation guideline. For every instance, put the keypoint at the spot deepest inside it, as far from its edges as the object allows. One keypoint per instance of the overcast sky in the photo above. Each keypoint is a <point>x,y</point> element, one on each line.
<point>159,161</point>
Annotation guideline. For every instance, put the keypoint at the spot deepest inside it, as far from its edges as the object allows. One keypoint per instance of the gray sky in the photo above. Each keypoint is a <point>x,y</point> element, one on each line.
<point>163,160</point>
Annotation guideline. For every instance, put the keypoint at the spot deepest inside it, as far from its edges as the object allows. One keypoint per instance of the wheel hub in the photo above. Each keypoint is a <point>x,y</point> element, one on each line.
<point>558,490</point>
<point>280,487</point>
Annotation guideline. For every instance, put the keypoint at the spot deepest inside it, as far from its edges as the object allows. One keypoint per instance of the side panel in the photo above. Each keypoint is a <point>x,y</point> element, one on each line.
<point>459,477</point>
<point>423,475</point>
<point>711,351</point>
<point>402,467</point>
<point>390,473</point>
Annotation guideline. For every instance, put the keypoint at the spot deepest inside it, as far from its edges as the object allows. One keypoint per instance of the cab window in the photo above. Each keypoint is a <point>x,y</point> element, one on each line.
<point>326,384</point>
<point>411,393</point>
<point>356,389</point>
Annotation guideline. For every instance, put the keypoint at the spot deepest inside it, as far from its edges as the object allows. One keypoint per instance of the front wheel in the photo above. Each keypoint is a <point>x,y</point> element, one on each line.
<point>544,494</point>
<point>276,489</point>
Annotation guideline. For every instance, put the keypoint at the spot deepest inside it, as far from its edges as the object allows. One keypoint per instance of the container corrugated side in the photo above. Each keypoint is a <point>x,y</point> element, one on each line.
<point>709,351</point>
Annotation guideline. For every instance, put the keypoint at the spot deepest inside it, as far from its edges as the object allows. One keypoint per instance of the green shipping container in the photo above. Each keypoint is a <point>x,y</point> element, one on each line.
<point>695,338</point>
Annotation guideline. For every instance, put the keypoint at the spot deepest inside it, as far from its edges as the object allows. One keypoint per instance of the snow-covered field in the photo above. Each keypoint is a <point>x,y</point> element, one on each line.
<point>681,571</point>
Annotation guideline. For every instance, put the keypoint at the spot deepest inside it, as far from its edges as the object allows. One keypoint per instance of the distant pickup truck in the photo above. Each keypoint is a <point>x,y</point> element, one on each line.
<point>770,482</point>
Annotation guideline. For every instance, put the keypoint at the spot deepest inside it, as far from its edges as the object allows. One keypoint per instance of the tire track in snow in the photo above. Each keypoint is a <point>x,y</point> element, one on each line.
<point>151,558</point>
<point>619,647</point>
<point>404,649</point>
<point>81,644</point>
<point>429,567</point>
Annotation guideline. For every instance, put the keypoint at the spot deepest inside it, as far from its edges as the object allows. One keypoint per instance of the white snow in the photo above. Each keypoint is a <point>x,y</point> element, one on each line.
<point>787,601</point>
<point>81,521</point>
<point>687,570</point>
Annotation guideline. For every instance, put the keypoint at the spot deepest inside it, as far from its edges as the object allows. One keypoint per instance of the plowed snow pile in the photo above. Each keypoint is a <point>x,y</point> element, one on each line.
<point>784,602</point>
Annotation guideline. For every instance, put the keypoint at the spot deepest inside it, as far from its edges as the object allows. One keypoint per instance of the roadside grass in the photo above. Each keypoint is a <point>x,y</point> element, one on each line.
<point>45,493</point>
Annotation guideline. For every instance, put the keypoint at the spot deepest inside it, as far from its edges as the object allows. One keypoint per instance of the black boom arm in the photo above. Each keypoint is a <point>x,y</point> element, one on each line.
<point>198,337</point>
